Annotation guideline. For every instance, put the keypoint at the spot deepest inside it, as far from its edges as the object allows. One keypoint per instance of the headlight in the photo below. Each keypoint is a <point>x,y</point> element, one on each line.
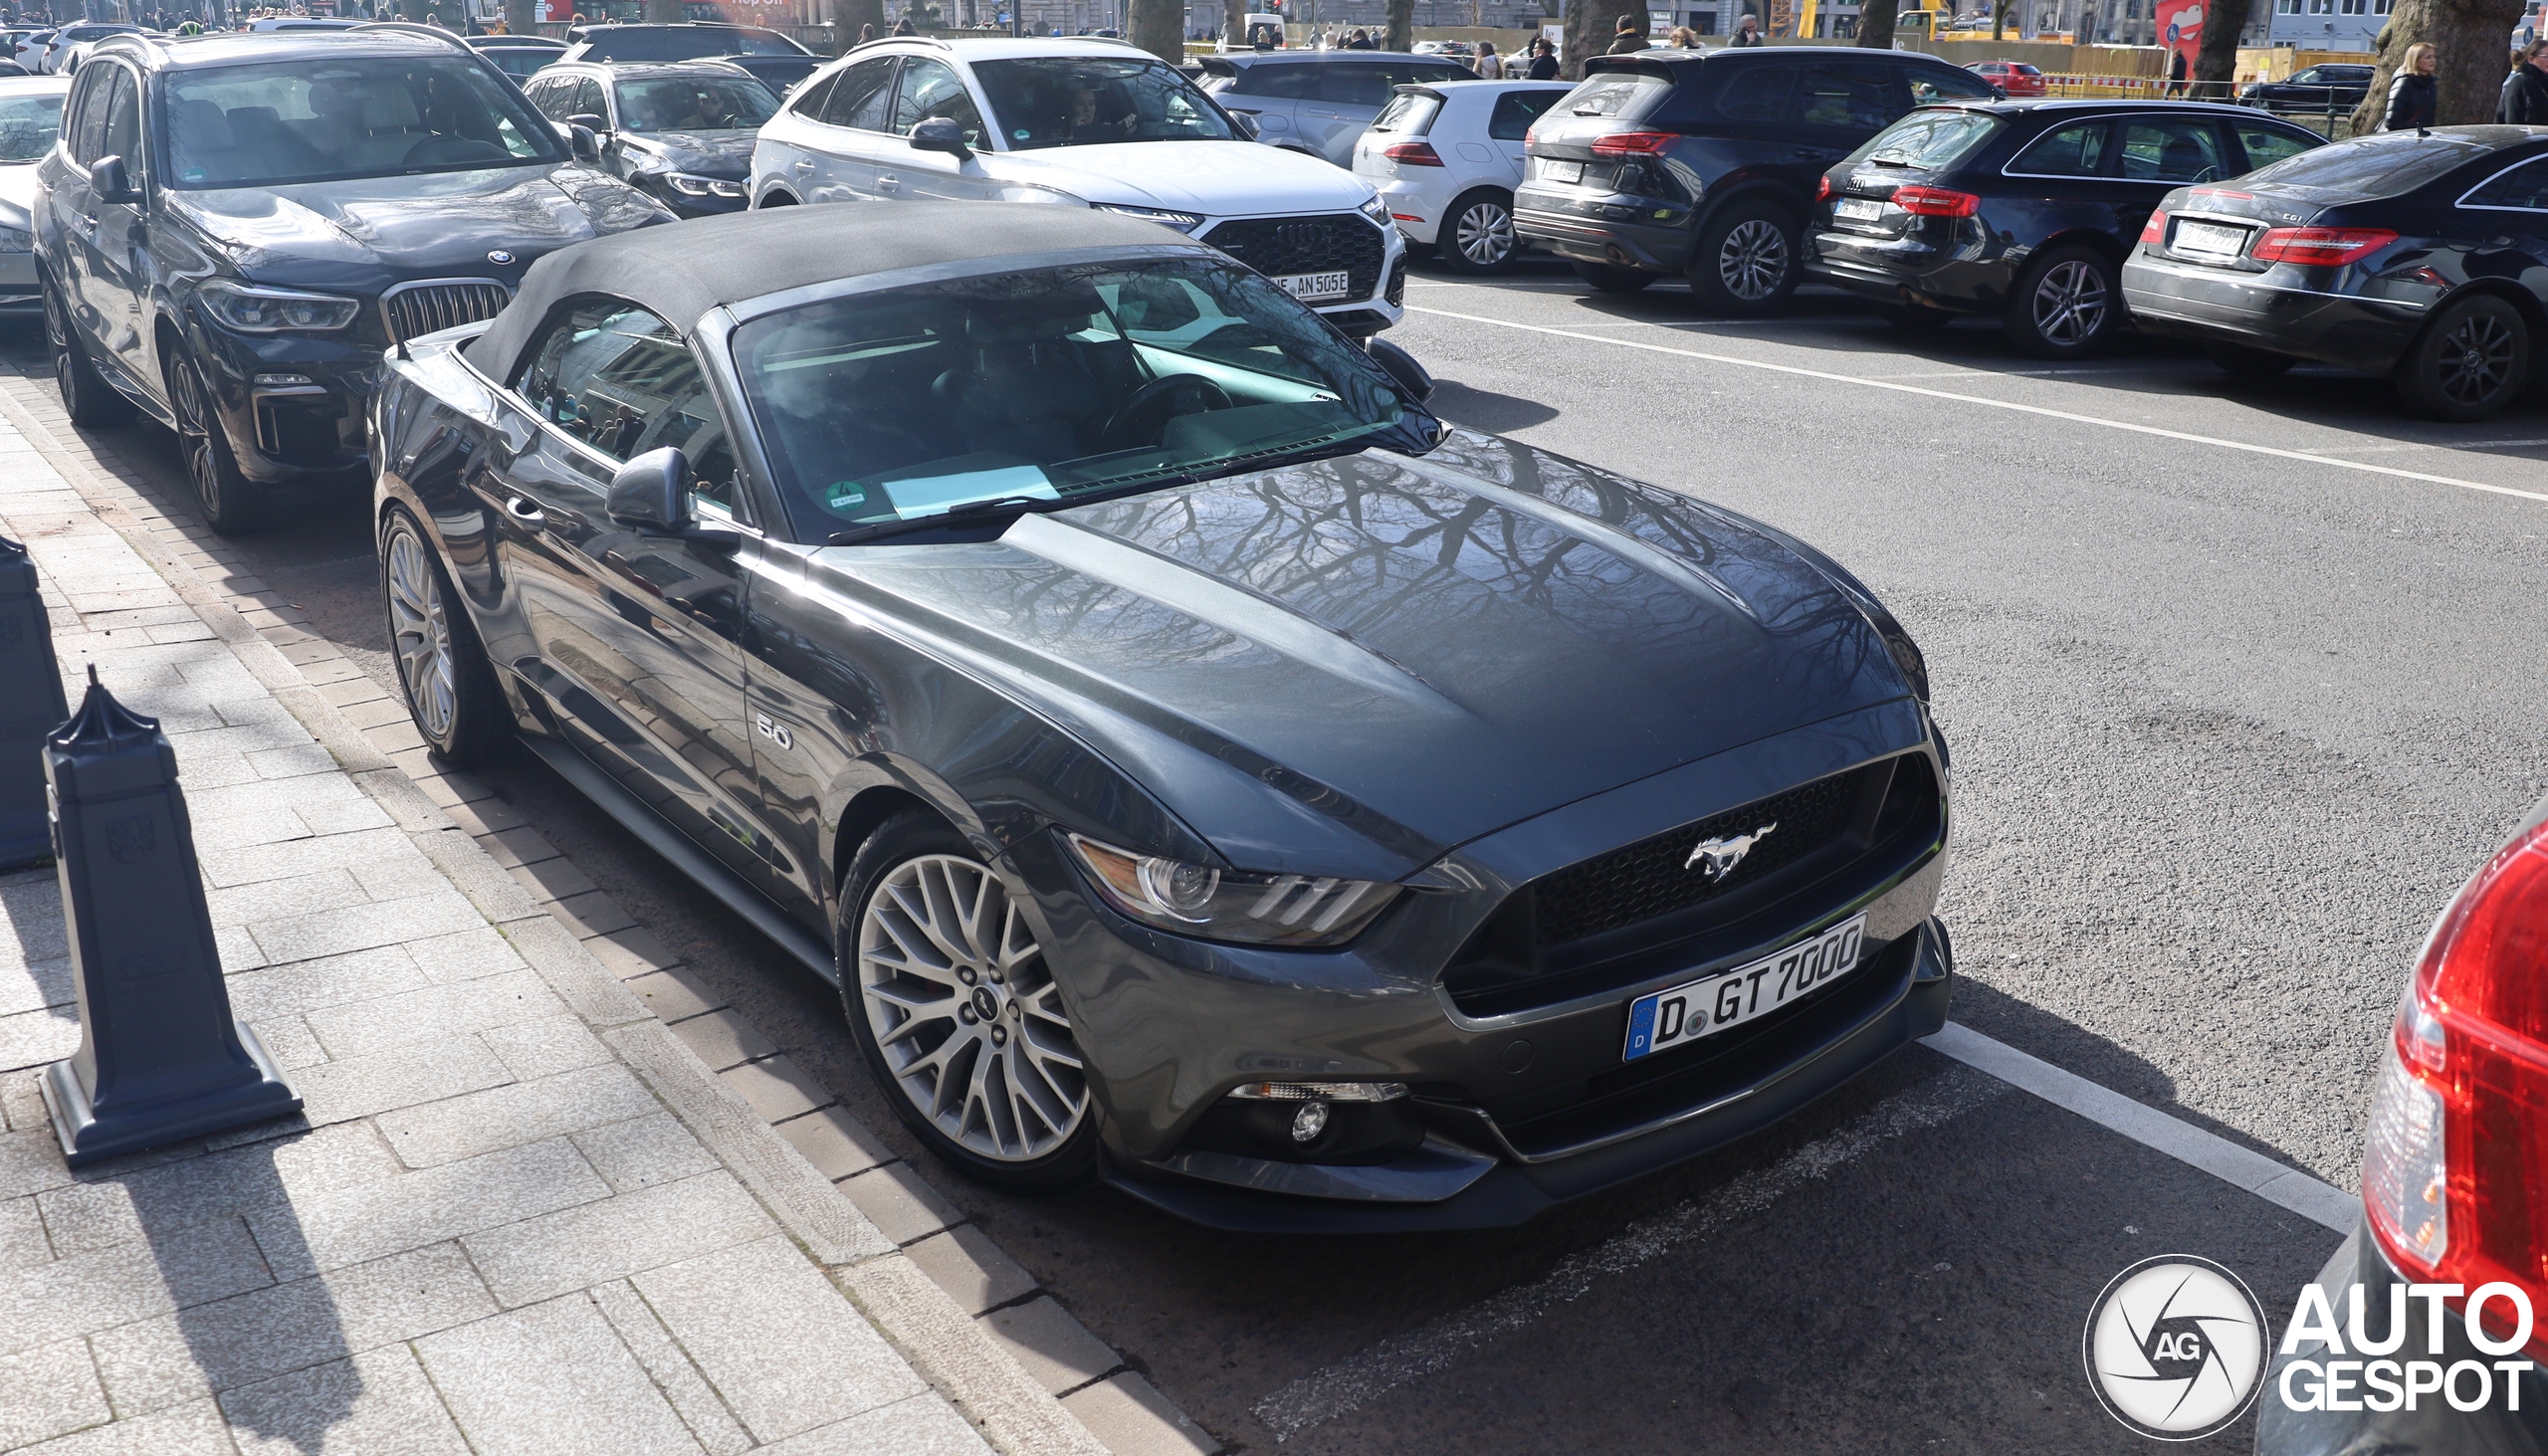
<point>275,310</point>
<point>1227,905</point>
<point>1376,210</point>
<point>16,240</point>
<point>690,184</point>
<point>1184,222</point>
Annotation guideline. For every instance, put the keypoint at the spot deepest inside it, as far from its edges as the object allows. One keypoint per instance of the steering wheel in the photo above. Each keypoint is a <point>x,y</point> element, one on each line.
<point>1141,418</point>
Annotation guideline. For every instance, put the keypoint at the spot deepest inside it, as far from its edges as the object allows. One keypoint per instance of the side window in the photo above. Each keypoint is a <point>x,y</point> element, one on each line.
<point>2076,150</point>
<point>548,96</point>
<point>1945,84</point>
<point>2172,151</point>
<point>933,88</point>
<point>595,371</point>
<point>810,99</point>
<point>1352,83</point>
<point>589,100</point>
<point>2266,145</point>
<point>124,123</point>
<point>1757,94</point>
<point>1857,96</point>
<point>2524,187</point>
<point>1515,111</point>
<point>864,96</point>
<point>1280,83</point>
<point>87,127</point>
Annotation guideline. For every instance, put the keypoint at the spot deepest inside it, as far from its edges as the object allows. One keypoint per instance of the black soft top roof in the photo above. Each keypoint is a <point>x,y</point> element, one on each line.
<point>679,272</point>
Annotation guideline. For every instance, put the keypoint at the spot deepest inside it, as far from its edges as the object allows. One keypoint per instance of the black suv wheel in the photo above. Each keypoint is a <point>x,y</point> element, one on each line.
<point>228,501</point>
<point>2065,304</point>
<point>1745,264</point>
<point>2470,362</point>
<point>86,397</point>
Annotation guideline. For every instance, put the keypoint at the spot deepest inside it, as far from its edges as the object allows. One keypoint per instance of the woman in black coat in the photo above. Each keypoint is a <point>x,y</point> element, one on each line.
<point>2412,93</point>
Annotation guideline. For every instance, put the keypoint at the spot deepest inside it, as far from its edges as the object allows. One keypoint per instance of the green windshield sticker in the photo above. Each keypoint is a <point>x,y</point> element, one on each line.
<point>846,495</point>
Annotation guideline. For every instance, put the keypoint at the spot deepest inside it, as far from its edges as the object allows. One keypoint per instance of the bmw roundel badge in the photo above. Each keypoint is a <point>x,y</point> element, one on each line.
<point>498,257</point>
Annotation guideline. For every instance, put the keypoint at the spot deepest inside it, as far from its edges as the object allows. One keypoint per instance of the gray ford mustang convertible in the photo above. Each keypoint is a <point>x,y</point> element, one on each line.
<point>1199,766</point>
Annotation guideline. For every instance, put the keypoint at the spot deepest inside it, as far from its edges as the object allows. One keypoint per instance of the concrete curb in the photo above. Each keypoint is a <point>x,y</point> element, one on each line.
<point>1030,1386</point>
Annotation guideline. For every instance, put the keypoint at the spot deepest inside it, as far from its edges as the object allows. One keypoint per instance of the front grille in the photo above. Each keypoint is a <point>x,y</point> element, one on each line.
<point>414,308</point>
<point>1656,877</point>
<point>1279,247</point>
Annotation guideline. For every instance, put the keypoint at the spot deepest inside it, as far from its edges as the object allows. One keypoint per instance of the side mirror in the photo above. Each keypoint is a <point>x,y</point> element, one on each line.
<point>1244,124</point>
<point>651,494</point>
<point>1400,366</point>
<point>940,133</point>
<point>107,179</point>
<point>581,142</point>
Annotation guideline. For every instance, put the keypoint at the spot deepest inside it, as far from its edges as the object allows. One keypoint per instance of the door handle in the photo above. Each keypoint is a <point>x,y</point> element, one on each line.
<point>88,224</point>
<point>521,509</point>
<point>804,164</point>
<point>889,183</point>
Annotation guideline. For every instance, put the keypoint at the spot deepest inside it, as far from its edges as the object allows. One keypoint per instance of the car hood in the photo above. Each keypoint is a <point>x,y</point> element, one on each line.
<point>709,153</point>
<point>366,232</point>
<point>1352,666</point>
<point>1215,178</point>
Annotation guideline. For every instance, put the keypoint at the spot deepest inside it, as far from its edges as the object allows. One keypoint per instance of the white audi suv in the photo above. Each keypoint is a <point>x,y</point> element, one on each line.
<point>1088,124</point>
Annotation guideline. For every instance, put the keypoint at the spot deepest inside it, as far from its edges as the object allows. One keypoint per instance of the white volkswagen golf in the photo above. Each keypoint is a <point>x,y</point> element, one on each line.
<point>1082,122</point>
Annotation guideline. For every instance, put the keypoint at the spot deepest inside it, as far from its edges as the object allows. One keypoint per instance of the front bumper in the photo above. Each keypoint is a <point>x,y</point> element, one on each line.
<point>287,433</point>
<point>2269,310</point>
<point>2434,1427</point>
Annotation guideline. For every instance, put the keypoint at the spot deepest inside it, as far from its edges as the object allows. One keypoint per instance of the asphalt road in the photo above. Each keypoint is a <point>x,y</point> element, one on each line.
<point>2231,715</point>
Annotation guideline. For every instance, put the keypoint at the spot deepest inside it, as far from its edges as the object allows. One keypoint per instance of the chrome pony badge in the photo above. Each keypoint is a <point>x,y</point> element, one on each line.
<point>1718,855</point>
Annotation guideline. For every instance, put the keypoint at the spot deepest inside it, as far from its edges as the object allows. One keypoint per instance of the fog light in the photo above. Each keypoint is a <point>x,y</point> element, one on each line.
<point>281,381</point>
<point>1320,1091</point>
<point>1309,1121</point>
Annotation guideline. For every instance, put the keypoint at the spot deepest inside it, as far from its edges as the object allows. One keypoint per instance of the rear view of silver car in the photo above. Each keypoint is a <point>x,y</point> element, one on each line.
<point>1319,101</point>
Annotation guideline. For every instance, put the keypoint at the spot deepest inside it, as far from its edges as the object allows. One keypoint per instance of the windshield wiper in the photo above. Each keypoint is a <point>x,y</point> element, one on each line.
<point>1017,504</point>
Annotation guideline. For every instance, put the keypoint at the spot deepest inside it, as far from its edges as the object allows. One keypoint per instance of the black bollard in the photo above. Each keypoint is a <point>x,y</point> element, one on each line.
<point>30,708</point>
<point>160,1057</point>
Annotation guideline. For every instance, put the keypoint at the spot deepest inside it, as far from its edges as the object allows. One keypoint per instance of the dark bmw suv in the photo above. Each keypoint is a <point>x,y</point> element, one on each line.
<point>233,229</point>
<point>1706,163</point>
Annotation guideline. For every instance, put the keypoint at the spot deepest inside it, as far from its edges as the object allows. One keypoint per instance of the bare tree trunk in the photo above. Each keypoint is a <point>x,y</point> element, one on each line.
<point>522,17</point>
<point>2470,34</point>
<point>1875,24</point>
<point>1590,25</point>
<point>1234,23</point>
<point>1401,16</point>
<point>2000,17</point>
<point>664,12</point>
<point>2215,66</point>
<point>1159,27</point>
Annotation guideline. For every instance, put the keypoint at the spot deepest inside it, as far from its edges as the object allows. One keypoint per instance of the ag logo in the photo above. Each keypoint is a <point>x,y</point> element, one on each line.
<point>2175,1347</point>
<point>775,731</point>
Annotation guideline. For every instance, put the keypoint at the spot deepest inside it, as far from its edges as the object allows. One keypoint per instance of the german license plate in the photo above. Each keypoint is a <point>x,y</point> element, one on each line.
<point>1681,1014</point>
<point>1858,209</point>
<point>2212,240</point>
<point>1313,287</point>
<point>1558,171</point>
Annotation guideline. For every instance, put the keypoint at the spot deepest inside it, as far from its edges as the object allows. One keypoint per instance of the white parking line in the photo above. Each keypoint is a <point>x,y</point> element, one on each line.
<point>1338,1389</point>
<point>2041,411</point>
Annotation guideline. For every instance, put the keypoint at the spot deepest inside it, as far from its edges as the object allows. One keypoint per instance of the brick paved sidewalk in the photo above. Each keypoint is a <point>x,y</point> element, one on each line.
<point>519,1215</point>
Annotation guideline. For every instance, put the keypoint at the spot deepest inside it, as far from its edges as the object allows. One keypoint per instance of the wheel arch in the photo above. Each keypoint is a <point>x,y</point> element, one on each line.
<point>1788,199</point>
<point>2523,302</point>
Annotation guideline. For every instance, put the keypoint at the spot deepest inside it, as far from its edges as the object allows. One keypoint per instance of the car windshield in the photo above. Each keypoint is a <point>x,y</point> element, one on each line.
<point>1928,139</point>
<point>28,125</point>
<point>327,119</point>
<point>693,104</point>
<point>1052,384</point>
<point>2385,164</point>
<point>1074,100</point>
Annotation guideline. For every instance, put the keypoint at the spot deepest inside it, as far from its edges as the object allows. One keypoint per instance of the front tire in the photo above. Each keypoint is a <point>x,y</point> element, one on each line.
<point>2066,305</point>
<point>1745,264</point>
<point>1477,232</point>
<point>224,496</point>
<point>1607,280</point>
<point>956,1013</point>
<point>2470,363</point>
<point>449,687</point>
<point>86,397</point>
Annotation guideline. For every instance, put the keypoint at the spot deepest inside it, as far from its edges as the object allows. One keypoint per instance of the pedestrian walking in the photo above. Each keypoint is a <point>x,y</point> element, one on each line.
<point>1628,37</point>
<point>2175,73</point>
<point>866,33</point>
<point>2411,93</point>
<point>1542,60</point>
<point>2525,95</point>
<point>1490,66</point>
<point>1748,33</point>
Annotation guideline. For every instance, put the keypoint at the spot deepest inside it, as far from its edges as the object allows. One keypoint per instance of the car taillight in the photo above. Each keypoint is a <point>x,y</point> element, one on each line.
<point>1633,144</point>
<point>1413,153</point>
<point>1823,191</point>
<point>1935,201</point>
<point>2452,1175</point>
<point>2155,229</point>
<point>2320,247</point>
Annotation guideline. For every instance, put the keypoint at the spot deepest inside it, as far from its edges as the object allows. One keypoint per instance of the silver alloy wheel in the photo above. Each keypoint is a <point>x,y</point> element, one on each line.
<point>1754,261</point>
<point>2069,303</point>
<point>420,636</point>
<point>957,995</point>
<point>1484,233</point>
<point>2477,357</point>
